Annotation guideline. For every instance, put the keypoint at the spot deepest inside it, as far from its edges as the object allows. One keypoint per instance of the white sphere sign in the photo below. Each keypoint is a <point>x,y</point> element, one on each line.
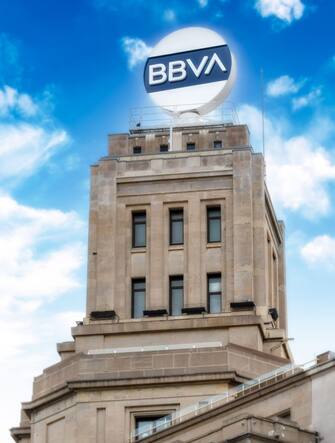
<point>190,70</point>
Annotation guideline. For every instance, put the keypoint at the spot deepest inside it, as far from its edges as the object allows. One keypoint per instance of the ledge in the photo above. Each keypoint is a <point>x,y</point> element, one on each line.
<point>176,323</point>
<point>138,250</point>
<point>20,432</point>
<point>105,382</point>
<point>214,245</point>
<point>66,346</point>
<point>151,177</point>
<point>174,154</point>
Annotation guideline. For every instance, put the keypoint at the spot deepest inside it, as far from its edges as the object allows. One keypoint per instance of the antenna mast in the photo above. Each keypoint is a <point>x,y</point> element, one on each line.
<point>263,118</point>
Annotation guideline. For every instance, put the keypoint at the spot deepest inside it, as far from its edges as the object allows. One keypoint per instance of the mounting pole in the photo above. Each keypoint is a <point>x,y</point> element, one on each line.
<point>263,111</point>
<point>263,119</point>
<point>170,134</point>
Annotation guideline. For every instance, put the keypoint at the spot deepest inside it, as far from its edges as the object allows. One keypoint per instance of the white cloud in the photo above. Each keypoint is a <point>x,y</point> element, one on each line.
<point>41,260</point>
<point>298,167</point>
<point>41,250</point>
<point>285,10</point>
<point>29,346</point>
<point>306,100</point>
<point>320,250</point>
<point>24,147</point>
<point>136,49</point>
<point>13,101</point>
<point>29,277</point>
<point>203,3</point>
<point>283,85</point>
<point>169,15</point>
<point>28,134</point>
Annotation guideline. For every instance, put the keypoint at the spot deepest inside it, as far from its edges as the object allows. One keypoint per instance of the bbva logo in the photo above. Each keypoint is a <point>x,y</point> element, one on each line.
<point>189,68</point>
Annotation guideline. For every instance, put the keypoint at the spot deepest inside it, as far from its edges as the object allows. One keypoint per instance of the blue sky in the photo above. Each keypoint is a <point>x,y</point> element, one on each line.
<point>70,72</point>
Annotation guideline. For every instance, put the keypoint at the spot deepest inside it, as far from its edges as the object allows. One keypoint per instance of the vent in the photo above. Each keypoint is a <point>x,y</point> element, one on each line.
<point>155,312</point>
<point>194,311</point>
<point>103,315</point>
<point>274,313</point>
<point>242,305</point>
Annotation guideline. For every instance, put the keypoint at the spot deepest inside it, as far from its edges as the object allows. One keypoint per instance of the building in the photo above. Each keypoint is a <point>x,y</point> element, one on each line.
<point>186,306</point>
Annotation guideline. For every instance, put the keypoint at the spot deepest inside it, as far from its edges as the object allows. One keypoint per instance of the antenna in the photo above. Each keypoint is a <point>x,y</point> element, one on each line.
<point>263,110</point>
<point>263,113</point>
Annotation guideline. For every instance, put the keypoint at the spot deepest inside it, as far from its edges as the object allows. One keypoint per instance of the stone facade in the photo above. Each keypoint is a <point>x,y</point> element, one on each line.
<point>250,256</point>
<point>122,368</point>
<point>289,409</point>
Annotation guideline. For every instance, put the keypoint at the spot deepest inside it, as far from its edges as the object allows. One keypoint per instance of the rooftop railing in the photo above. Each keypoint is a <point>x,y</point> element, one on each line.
<point>221,399</point>
<point>154,117</point>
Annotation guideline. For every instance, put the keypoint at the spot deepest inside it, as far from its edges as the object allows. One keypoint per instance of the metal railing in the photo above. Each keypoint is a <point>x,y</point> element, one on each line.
<point>154,117</point>
<point>220,399</point>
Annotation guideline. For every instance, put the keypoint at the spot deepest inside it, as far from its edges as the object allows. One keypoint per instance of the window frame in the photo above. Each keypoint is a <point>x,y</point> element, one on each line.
<point>137,147</point>
<point>171,279</point>
<point>149,415</point>
<point>166,147</point>
<point>208,209</point>
<point>217,141</point>
<point>134,291</point>
<point>188,144</point>
<point>134,223</point>
<point>209,276</point>
<point>173,211</point>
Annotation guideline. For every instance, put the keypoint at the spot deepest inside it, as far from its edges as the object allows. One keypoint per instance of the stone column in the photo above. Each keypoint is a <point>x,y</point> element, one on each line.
<point>243,229</point>
<point>157,245</point>
<point>92,242</point>
<point>259,231</point>
<point>192,285</point>
<point>106,235</point>
<point>282,281</point>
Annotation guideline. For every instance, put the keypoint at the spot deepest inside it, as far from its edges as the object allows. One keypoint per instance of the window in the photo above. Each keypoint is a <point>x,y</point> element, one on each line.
<point>164,148</point>
<point>217,144</point>
<point>137,297</point>
<point>139,229</point>
<point>176,226</point>
<point>176,295</point>
<point>214,293</point>
<point>190,146</point>
<point>285,414</point>
<point>213,224</point>
<point>148,425</point>
<point>137,149</point>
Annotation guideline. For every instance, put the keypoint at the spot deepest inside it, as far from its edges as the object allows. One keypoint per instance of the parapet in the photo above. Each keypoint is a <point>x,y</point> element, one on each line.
<point>187,138</point>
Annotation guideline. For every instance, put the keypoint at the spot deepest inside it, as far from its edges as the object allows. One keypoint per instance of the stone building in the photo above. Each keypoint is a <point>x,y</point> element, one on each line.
<point>185,334</point>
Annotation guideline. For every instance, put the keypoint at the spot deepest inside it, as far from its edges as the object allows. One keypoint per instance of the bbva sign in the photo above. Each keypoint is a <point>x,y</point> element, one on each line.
<point>191,69</point>
<point>187,69</point>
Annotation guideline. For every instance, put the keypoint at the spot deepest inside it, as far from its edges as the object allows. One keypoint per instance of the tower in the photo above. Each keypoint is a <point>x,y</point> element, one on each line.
<point>186,297</point>
<point>186,285</point>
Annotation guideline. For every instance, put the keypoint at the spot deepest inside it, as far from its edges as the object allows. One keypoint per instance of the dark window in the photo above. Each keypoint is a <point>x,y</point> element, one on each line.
<point>217,144</point>
<point>137,297</point>
<point>137,149</point>
<point>149,424</point>
<point>164,148</point>
<point>190,146</point>
<point>214,293</point>
<point>139,229</point>
<point>176,295</point>
<point>213,224</point>
<point>176,226</point>
<point>285,414</point>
